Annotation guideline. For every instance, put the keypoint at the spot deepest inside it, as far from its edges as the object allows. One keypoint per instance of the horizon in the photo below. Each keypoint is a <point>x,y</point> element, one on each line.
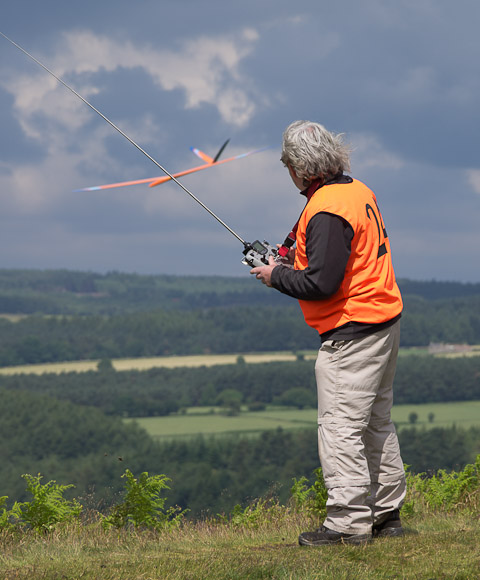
<point>231,276</point>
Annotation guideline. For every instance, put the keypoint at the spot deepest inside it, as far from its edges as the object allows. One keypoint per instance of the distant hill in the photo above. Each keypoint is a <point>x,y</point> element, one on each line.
<point>74,292</point>
<point>434,290</point>
<point>71,292</point>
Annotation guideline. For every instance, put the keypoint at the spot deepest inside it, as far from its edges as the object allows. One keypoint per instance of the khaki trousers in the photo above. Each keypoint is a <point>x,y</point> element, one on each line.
<point>358,445</point>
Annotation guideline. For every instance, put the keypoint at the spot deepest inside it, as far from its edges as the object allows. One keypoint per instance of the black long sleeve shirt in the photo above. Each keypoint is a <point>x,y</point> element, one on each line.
<point>328,246</point>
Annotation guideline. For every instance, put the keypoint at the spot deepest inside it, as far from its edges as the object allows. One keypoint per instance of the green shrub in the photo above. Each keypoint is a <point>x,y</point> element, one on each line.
<point>261,511</point>
<point>298,397</point>
<point>444,490</point>
<point>311,500</point>
<point>256,406</point>
<point>5,522</point>
<point>47,509</point>
<point>143,506</point>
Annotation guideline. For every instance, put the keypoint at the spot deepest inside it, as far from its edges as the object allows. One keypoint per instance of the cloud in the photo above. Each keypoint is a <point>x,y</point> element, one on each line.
<point>206,69</point>
<point>473,176</point>
<point>369,152</point>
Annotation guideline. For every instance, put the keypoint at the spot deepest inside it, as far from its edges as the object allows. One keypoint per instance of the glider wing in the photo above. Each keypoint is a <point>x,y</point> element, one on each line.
<point>154,181</point>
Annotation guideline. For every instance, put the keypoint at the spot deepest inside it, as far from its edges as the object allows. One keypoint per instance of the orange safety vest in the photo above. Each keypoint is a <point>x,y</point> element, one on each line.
<point>368,292</point>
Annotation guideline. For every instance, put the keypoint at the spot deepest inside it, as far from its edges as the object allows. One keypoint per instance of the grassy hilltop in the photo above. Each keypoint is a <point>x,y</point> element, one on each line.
<point>51,537</point>
<point>442,544</point>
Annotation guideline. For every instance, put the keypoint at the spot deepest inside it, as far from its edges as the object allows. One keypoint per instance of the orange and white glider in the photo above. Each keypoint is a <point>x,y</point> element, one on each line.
<point>153,181</point>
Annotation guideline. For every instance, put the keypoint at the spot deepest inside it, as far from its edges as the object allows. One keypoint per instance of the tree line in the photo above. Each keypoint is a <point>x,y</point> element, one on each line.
<point>82,315</point>
<point>86,293</point>
<point>40,339</point>
<point>75,292</point>
<point>161,391</point>
<point>240,329</point>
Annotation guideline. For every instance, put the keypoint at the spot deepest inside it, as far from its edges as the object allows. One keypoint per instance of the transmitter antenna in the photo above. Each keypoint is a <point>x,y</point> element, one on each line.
<point>128,139</point>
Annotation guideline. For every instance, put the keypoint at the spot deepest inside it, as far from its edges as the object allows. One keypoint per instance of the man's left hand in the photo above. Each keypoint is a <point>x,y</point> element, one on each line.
<point>264,273</point>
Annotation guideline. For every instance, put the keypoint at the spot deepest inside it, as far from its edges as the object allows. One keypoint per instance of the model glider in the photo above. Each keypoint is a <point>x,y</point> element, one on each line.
<point>153,181</point>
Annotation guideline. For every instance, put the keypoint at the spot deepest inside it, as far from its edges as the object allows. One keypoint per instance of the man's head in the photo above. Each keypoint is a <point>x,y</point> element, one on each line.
<point>312,152</point>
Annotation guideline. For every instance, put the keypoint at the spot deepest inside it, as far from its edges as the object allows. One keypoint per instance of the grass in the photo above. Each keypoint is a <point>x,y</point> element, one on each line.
<point>444,546</point>
<point>202,420</point>
<point>214,424</point>
<point>460,413</point>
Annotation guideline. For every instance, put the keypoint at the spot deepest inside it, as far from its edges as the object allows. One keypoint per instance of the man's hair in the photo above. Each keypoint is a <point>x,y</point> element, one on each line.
<point>312,151</point>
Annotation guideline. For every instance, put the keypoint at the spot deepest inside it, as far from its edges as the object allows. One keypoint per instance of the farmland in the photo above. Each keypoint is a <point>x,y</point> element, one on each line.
<point>209,421</point>
<point>146,363</point>
<point>207,360</point>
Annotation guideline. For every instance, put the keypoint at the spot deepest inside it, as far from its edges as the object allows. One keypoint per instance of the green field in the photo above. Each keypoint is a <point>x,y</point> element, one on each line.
<point>202,420</point>
<point>208,421</point>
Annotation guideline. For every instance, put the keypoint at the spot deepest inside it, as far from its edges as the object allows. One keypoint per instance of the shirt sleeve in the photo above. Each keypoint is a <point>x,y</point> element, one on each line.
<point>328,245</point>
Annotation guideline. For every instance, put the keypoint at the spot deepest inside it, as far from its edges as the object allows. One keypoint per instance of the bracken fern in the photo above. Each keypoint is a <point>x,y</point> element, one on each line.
<point>47,509</point>
<point>444,490</point>
<point>143,505</point>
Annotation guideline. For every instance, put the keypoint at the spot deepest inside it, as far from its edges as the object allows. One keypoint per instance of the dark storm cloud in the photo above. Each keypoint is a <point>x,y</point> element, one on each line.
<point>403,70</point>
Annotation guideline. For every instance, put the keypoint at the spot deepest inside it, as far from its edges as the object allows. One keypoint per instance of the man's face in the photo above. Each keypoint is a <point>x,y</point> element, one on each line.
<point>296,180</point>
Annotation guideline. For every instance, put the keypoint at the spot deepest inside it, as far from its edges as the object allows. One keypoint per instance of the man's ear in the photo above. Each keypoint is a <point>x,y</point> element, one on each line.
<point>292,171</point>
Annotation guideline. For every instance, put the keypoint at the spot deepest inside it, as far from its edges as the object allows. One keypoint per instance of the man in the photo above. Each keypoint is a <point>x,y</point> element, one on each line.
<point>343,277</point>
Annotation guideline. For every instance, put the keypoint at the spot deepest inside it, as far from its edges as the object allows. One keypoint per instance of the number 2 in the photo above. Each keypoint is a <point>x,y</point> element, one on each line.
<point>382,232</point>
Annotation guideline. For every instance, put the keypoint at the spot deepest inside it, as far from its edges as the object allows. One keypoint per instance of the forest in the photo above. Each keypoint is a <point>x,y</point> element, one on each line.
<point>70,427</point>
<point>62,316</point>
<point>161,391</point>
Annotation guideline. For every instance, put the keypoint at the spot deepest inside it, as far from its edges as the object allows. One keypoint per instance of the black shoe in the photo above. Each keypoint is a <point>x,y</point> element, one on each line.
<point>323,537</point>
<point>390,526</point>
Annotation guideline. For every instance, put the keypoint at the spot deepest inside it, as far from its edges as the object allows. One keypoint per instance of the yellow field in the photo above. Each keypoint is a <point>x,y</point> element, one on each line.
<point>13,317</point>
<point>143,364</point>
<point>475,351</point>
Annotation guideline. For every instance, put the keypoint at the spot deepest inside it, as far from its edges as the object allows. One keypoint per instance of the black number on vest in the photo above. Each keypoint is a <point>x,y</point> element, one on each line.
<point>382,232</point>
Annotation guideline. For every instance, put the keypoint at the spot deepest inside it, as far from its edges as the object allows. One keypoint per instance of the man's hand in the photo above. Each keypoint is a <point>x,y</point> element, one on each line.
<point>290,257</point>
<point>264,273</point>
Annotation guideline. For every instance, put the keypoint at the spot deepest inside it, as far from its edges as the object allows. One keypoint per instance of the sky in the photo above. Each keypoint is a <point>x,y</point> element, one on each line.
<point>399,78</point>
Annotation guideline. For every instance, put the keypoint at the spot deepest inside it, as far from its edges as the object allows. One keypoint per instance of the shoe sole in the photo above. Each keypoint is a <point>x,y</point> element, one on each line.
<point>390,533</point>
<point>353,541</point>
